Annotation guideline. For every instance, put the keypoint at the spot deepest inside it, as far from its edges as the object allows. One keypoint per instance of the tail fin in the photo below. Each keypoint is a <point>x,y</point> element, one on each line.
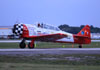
<point>85,31</point>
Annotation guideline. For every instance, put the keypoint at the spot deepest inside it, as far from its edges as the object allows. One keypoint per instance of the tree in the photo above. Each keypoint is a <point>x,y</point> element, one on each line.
<point>75,30</point>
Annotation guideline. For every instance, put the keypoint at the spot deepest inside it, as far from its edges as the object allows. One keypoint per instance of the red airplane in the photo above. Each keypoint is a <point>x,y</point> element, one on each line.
<point>48,33</point>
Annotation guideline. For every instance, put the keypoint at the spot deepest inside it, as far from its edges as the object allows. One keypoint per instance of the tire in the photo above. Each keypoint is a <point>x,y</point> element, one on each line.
<point>22,45</point>
<point>80,46</point>
<point>31,47</point>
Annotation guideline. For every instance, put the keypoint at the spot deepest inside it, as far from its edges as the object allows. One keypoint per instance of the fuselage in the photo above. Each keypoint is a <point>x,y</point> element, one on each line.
<point>48,33</point>
<point>33,30</point>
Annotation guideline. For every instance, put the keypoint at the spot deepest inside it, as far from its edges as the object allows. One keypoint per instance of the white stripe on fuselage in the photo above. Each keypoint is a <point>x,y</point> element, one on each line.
<point>67,39</point>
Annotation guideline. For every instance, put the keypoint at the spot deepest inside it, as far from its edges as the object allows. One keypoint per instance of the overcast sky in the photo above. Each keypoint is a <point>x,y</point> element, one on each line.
<point>55,12</point>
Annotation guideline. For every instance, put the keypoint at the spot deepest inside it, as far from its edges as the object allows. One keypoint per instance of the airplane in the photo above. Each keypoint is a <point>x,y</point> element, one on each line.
<point>48,33</point>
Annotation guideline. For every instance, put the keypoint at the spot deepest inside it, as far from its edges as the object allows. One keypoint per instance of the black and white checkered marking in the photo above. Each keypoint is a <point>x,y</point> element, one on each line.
<point>18,29</point>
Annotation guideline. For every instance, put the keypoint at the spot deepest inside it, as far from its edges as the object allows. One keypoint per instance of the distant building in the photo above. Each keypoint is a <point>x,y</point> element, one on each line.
<point>95,35</point>
<point>5,32</point>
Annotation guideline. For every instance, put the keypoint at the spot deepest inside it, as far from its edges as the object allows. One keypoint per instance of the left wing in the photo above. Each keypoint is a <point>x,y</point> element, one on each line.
<point>49,37</point>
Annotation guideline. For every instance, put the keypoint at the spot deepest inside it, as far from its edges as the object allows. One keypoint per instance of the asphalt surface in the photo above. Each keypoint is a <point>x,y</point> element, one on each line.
<point>54,51</point>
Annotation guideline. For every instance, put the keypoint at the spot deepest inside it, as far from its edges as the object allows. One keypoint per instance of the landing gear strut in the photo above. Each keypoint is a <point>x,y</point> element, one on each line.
<point>80,46</point>
<point>31,44</point>
<point>22,44</point>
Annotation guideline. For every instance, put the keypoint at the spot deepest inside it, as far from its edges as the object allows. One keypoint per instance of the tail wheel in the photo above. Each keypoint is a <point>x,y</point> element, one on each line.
<point>30,46</point>
<point>80,46</point>
<point>22,45</point>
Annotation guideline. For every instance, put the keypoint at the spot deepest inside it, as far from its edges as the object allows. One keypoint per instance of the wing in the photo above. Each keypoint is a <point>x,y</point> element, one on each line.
<point>49,37</point>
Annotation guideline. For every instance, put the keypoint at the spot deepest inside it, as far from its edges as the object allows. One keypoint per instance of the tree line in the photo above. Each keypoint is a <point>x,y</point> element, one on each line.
<point>75,30</point>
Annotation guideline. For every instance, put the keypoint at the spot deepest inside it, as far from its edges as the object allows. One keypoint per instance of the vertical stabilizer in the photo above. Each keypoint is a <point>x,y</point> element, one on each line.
<point>85,31</point>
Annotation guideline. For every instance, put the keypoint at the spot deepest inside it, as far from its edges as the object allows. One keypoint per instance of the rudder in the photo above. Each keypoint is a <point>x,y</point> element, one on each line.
<point>85,31</point>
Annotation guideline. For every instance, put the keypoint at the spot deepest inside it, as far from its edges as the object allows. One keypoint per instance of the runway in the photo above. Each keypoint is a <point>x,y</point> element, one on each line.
<point>11,41</point>
<point>53,51</point>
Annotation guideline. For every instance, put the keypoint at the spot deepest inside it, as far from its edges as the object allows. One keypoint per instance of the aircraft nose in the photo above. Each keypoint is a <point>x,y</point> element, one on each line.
<point>18,29</point>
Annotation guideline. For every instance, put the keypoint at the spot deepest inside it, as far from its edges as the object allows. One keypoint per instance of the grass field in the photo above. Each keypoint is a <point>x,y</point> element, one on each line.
<point>28,66</point>
<point>51,45</point>
<point>80,62</point>
<point>50,62</point>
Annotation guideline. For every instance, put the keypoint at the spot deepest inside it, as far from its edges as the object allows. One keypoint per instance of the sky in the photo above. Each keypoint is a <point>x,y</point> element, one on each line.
<point>54,12</point>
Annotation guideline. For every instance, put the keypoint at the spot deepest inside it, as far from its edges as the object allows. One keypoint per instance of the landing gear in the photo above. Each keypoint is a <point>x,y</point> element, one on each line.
<point>31,44</point>
<point>22,44</point>
<point>80,46</point>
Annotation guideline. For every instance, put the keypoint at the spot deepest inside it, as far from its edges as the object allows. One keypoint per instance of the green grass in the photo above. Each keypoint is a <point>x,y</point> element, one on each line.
<point>28,66</point>
<point>9,45</point>
<point>52,59</point>
<point>24,62</point>
<point>51,45</point>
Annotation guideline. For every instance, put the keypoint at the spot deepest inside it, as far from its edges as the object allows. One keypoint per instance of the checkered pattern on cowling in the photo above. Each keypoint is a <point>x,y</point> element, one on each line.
<point>18,29</point>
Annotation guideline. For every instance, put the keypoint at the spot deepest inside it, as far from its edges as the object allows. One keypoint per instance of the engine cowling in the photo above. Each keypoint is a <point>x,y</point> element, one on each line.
<point>18,29</point>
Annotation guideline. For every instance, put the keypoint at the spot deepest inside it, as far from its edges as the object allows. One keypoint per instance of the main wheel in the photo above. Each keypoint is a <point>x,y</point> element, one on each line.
<point>29,46</point>
<point>22,45</point>
<point>80,46</point>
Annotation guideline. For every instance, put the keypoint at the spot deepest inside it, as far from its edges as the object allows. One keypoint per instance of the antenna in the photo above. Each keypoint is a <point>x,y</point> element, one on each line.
<point>17,21</point>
